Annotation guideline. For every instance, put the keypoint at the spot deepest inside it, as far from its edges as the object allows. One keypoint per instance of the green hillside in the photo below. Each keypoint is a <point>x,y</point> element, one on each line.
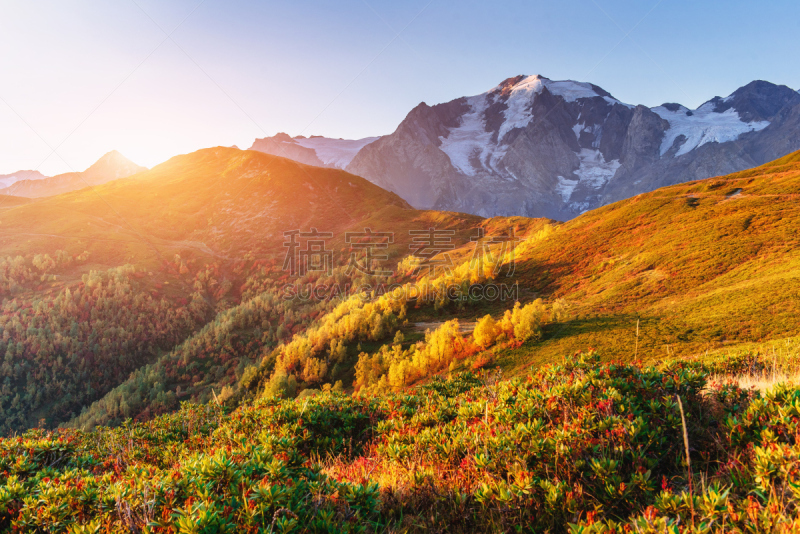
<point>704,266</point>
<point>701,266</point>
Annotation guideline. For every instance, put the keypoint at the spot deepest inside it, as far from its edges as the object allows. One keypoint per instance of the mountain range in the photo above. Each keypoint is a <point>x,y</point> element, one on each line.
<point>7,180</point>
<point>536,147</point>
<point>254,386</point>
<point>33,184</point>
<point>178,273</point>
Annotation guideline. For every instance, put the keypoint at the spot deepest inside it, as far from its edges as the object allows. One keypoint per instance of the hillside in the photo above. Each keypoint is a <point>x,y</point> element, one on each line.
<point>684,292</point>
<point>702,265</point>
<point>581,447</point>
<point>111,166</point>
<point>214,203</point>
<point>695,267</point>
<point>705,266</point>
<point>101,282</point>
<point>699,267</point>
<point>8,201</point>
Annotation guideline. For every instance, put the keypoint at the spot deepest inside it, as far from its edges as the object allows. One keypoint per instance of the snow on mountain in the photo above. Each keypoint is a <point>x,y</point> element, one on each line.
<point>469,140</point>
<point>544,148</point>
<point>473,147</point>
<point>334,152</point>
<point>315,150</point>
<point>518,114</point>
<point>593,174</point>
<point>703,125</point>
<point>565,187</point>
<point>594,170</point>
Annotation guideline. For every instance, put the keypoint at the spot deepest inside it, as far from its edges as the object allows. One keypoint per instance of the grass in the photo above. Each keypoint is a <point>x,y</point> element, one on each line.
<point>772,363</point>
<point>723,271</point>
<point>761,382</point>
<point>581,447</point>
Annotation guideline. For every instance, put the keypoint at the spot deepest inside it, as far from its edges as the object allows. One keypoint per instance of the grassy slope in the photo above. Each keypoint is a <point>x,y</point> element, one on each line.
<point>710,265</point>
<point>216,206</point>
<point>582,448</point>
<point>701,265</point>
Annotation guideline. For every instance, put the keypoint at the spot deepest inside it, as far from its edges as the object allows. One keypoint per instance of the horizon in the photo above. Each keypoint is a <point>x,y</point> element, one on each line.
<point>155,80</point>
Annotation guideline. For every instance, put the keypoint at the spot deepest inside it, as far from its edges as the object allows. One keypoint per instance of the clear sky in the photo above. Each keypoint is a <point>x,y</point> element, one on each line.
<point>156,78</point>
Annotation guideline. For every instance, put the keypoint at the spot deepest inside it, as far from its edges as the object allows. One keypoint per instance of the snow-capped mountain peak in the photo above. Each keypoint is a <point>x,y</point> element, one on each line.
<point>518,94</point>
<point>480,141</point>
<point>547,148</point>
<point>538,147</point>
<point>526,87</point>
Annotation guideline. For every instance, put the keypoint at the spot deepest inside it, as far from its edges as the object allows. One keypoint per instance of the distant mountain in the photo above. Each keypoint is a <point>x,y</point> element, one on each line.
<point>542,148</point>
<point>111,166</point>
<point>314,150</point>
<point>9,179</point>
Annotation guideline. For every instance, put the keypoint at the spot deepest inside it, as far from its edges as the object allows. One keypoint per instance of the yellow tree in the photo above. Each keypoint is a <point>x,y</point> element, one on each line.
<point>485,332</point>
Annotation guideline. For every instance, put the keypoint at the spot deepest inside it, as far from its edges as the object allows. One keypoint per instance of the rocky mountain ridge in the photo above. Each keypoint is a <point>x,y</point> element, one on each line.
<point>542,148</point>
<point>536,147</point>
<point>315,150</point>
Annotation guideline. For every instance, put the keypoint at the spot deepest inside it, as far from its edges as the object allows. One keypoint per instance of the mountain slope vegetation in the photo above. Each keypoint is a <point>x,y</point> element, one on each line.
<point>704,266</point>
<point>583,447</point>
<point>109,279</point>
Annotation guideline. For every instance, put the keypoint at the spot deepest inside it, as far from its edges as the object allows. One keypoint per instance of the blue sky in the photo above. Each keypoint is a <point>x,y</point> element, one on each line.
<point>156,78</point>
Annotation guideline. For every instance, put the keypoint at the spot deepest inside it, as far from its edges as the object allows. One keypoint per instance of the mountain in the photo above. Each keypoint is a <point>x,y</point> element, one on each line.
<point>314,150</point>
<point>216,204</point>
<point>7,180</point>
<point>709,265</point>
<point>106,281</point>
<point>542,148</point>
<point>111,166</point>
